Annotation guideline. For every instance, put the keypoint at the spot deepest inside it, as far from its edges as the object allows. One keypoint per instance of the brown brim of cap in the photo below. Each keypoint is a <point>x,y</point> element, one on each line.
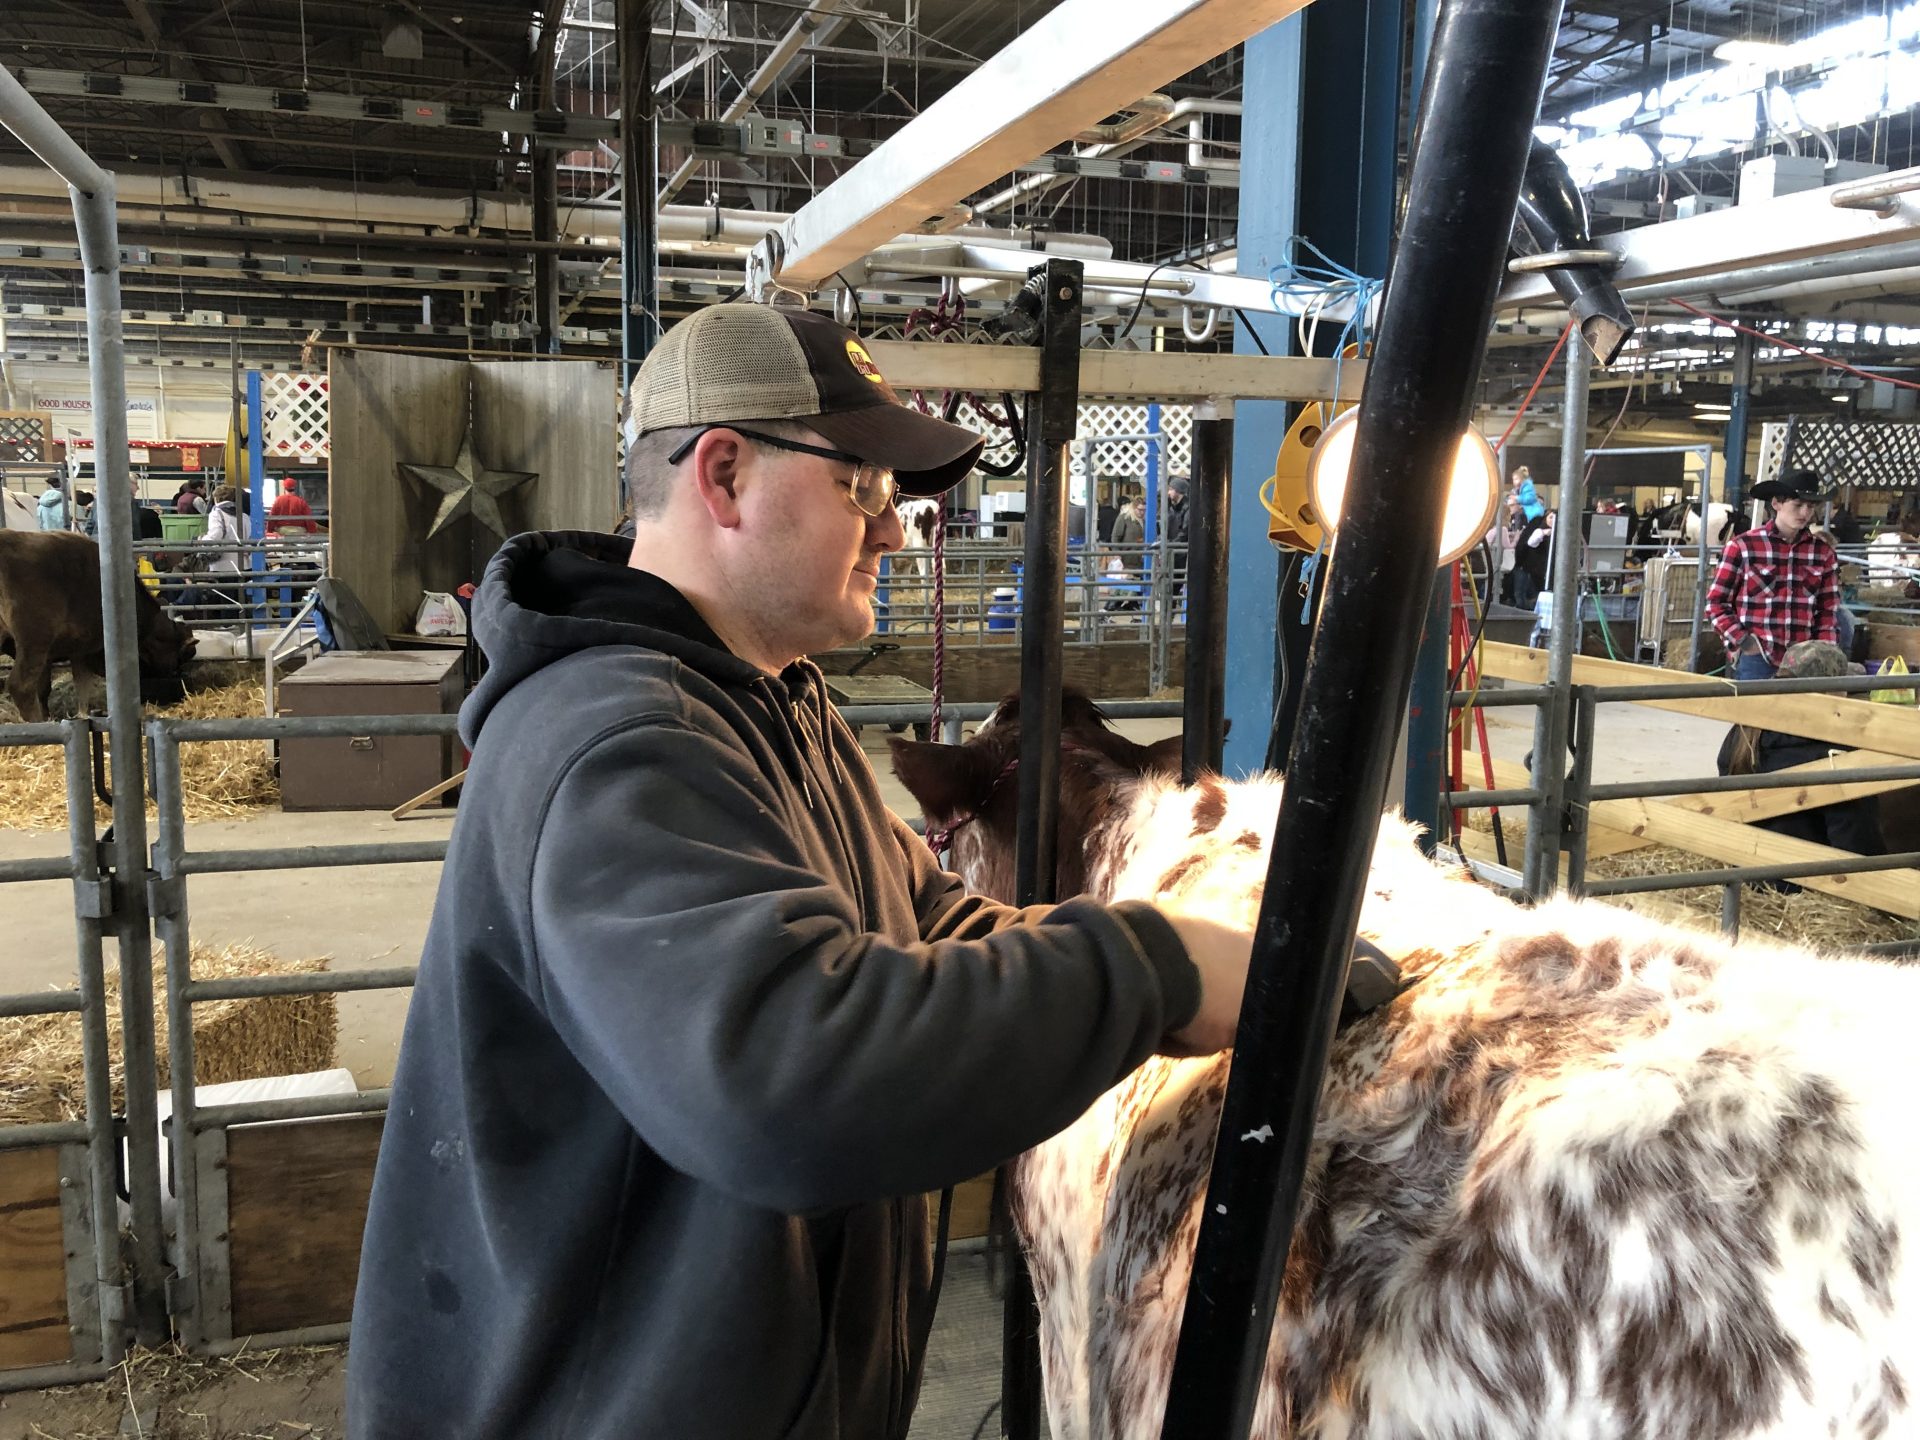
<point>928,455</point>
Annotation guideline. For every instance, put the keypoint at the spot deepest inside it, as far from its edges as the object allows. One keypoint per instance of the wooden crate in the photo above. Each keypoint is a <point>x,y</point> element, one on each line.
<point>1884,641</point>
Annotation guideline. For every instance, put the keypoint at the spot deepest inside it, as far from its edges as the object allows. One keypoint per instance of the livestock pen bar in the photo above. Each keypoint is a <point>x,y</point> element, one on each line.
<point>248,1193</point>
<point>64,1288</point>
<point>1567,827</point>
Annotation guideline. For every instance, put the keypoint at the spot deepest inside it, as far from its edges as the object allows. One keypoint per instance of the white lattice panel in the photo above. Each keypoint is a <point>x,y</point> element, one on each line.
<point>293,411</point>
<point>25,438</point>
<point>1129,457</point>
<point>1773,450</point>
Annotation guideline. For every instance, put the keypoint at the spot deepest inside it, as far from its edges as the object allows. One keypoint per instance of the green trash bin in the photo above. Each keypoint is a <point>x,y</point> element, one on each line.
<point>182,527</point>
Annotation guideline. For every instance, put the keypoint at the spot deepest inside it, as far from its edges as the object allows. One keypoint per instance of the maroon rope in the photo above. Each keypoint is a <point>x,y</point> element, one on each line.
<point>941,837</point>
<point>939,615</point>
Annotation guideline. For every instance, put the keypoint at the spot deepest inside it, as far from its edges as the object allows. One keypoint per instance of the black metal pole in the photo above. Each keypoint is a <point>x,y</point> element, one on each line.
<point>1043,609</point>
<point>1483,87</point>
<point>639,246</point>
<point>546,263</point>
<point>1205,703</point>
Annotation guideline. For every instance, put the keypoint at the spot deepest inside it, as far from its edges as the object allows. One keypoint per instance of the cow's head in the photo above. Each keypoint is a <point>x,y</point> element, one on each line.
<point>166,645</point>
<point>973,790</point>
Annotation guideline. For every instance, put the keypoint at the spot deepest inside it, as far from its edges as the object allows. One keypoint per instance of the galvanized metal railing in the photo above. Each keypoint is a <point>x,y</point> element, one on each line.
<point>102,1290</point>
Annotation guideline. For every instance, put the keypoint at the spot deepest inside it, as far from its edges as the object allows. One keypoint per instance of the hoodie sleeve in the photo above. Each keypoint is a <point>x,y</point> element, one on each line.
<point>725,998</point>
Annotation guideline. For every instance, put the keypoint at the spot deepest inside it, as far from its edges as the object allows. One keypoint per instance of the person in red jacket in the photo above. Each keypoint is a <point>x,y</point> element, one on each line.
<point>1776,586</point>
<point>289,513</point>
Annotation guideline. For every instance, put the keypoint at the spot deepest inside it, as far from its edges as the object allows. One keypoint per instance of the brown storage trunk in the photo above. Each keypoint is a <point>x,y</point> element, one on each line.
<point>368,772</point>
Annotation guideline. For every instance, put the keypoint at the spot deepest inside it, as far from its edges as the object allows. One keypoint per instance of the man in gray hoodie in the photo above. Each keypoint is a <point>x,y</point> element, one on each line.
<point>699,1021</point>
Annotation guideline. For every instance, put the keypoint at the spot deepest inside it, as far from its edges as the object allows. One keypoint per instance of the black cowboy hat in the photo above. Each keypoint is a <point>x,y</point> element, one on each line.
<point>1792,485</point>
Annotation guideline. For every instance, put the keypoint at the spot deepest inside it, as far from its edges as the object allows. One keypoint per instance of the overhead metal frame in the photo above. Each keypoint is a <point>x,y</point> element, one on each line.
<point>555,129</point>
<point>1076,65</point>
<point>1159,375</point>
<point>1791,237</point>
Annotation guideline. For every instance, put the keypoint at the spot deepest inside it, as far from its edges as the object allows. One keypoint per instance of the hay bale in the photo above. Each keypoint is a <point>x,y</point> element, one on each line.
<point>220,779</point>
<point>42,1077</point>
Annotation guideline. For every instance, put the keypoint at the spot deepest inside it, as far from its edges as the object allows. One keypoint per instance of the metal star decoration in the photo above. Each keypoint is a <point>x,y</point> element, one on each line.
<point>468,488</point>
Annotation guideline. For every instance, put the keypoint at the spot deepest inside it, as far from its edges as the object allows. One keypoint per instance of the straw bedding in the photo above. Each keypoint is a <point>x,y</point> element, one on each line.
<point>220,779</point>
<point>1808,918</point>
<point>41,1076</point>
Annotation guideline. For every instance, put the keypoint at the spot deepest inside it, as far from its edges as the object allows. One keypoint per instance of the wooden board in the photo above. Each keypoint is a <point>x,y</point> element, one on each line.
<point>1857,724</point>
<point>972,1209</point>
<point>1683,822</point>
<point>33,1261</point>
<point>555,421</point>
<point>1111,669</point>
<point>384,409</point>
<point>296,1205</point>
<point>1747,806</point>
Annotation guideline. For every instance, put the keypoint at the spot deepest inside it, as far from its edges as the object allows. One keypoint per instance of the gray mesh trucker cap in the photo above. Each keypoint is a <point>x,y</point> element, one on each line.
<point>742,362</point>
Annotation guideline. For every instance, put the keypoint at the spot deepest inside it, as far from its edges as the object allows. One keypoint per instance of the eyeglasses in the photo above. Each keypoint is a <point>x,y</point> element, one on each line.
<point>872,487</point>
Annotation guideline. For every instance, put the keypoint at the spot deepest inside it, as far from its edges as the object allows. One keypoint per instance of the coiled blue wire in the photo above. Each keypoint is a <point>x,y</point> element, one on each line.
<point>1325,283</point>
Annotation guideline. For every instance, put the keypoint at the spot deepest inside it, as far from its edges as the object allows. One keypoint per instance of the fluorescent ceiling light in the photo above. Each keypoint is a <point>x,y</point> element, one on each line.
<point>1749,52</point>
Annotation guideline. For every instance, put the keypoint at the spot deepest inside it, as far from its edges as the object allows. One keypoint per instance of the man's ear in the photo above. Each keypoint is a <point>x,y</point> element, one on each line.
<point>716,466</point>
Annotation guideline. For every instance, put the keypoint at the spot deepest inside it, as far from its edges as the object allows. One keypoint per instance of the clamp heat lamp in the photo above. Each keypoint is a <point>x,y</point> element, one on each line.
<point>1552,238</point>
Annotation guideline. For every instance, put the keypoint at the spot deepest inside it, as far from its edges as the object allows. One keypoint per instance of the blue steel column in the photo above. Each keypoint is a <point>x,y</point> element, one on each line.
<point>1318,143</point>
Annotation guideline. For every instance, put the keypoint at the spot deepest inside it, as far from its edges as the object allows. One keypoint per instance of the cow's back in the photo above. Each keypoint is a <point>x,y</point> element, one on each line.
<point>1588,1175</point>
<point>51,581</point>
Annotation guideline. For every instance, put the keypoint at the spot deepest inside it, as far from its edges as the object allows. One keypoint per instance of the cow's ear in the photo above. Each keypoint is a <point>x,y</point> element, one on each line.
<point>947,780</point>
<point>1162,757</point>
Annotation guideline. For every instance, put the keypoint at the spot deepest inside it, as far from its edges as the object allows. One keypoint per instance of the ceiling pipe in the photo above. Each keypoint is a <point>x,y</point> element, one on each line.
<point>683,228</point>
<point>1901,281</point>
<point>815,18</point>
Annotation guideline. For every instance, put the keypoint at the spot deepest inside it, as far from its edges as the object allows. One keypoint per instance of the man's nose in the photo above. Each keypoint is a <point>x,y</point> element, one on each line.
<point>885,531</point>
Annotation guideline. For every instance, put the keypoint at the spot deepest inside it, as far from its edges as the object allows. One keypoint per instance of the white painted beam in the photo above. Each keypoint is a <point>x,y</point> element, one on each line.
<point>1077,65</point>
<point>1708,253</point>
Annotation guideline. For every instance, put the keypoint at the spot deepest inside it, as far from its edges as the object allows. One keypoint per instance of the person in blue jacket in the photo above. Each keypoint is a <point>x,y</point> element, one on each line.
<point>699,1021</point>
<point>1521,493</point>
<point>53,509</point>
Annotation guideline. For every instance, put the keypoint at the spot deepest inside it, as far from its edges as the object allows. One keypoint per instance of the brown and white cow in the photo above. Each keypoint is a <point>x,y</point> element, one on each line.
<point>50,612</point>
<point>910,573</point>
<point>1587,1176</point>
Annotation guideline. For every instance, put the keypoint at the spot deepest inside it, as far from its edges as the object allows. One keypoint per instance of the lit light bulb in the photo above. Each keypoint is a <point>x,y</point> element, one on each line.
<point>1473,494</point>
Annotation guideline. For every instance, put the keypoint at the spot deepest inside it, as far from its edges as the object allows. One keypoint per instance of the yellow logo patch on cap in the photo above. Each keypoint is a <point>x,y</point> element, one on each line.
<point>863,362</point>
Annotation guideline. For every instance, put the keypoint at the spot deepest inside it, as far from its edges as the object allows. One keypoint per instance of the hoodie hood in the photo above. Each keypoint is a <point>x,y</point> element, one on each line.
<point>548,595</point>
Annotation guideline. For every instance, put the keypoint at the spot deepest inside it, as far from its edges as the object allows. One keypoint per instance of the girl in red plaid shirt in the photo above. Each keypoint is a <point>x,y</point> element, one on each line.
<point>1778,585</point>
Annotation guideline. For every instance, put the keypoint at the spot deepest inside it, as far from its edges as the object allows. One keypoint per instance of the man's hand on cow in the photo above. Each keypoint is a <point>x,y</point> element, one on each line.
<point>1220,953</point>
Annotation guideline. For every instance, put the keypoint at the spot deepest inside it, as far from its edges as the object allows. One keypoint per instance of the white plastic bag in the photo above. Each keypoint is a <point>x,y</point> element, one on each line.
<point>440,614</point>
